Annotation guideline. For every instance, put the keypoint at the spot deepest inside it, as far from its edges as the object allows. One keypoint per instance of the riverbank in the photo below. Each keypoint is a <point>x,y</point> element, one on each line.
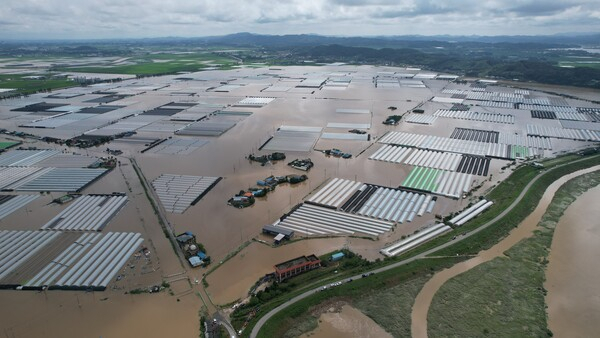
<point>505,296</point>
<point>572,282</point>
<point>517,191</point>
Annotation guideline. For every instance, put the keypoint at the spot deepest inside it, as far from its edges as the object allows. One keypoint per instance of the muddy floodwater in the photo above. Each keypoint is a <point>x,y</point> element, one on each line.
<point>349,323</point>
<point>105,314</point>
<point>572,277</point>
<point>524,230</point>
<point>235,277</point>
<point>222,229</point>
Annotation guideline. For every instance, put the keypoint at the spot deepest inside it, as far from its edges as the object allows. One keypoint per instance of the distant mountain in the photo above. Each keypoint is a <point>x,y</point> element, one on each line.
<point>403,41</point>
<point>303,40</point>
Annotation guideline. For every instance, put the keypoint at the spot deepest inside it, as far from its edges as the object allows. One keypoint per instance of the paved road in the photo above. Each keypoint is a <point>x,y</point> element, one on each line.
<point>222,319</point>
<point>273,312</point>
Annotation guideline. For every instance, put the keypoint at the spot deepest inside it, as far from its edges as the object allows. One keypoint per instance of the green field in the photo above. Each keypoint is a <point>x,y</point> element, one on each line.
<point>6,145</point>
<point>158,64</point>
<point>364,293</point>
<point>503,195</point>
<point>26,86</point>
<point>505,296</point>
<point>571,62</point>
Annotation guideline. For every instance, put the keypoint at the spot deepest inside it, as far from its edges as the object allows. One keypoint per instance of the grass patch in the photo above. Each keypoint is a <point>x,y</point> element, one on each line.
<point>502,196</point>
<point>367,290</point>
<point>6,145</point>
<point>157,64</point>
<point>391,308</point>
<point>277,293</point>
<point>505,296</point>
<point>26,86</point>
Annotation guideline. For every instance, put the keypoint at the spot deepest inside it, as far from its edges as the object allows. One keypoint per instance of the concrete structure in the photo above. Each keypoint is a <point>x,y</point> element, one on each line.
<point>296,266</point>
<point>275,231</point>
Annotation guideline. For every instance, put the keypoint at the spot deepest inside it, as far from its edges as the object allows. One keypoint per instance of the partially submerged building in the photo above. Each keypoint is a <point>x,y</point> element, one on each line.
<point>296,266</point>
<point>192,250</point>
<point>275,230</point>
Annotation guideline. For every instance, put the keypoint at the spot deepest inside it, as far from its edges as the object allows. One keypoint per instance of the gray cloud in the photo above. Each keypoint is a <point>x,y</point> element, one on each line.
<point>129,18</point>
<point>541,9</point>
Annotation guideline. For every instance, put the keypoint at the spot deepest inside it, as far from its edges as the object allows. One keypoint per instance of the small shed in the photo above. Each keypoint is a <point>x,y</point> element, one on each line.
<point>337,256</point>
<point>275,230</point>
<point>195,261</point>
<point>279,238</point>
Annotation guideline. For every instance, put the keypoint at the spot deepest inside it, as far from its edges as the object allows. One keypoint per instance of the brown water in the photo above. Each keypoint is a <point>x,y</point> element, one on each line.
<point>78,314</point>
<point>524,230</point>
<point>219,227</point>
<point>348,323</point>
<point>235,277</point>
<point>572,277</point>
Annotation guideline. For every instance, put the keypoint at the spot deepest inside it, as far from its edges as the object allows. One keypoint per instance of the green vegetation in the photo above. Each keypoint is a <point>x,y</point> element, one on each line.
<point>26,86</point>
<point>275,294</point>
<point>364,291</point>
<point>157,64</point>
<point>223,332</point>
<point>580,61</point>
<point>527,63</point>
<point>6,145</point>
<point>540,59</point>
<point>202,323</point>
<point>506,295</point>
<point>391,307</point>
<point>503,196</point>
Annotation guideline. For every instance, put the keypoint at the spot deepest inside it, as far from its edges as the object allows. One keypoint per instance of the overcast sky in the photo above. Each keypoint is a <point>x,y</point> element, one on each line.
<point>187,18</point>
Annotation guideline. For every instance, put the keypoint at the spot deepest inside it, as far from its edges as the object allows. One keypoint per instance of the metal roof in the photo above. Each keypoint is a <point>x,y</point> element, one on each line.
<point>91,261</point>
<point>59,179</point>
<point>11,203</point>
<point>180,146</point>
<point>178,192</point>
<point>12,175</point>
<point>25,158</point>
<point>90,212</point>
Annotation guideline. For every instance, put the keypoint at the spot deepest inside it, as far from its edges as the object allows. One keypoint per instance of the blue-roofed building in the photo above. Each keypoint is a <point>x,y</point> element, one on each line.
<point>337,256</point>
<point>195,261</point>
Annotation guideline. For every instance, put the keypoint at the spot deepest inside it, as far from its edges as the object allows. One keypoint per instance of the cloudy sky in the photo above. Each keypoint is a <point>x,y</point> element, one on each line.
<point>34,19</point>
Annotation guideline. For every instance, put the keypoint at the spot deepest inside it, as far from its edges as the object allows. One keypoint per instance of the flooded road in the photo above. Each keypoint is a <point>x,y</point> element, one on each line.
<point>524,230</point>
<point>349,323</point>
<point>572,281</point>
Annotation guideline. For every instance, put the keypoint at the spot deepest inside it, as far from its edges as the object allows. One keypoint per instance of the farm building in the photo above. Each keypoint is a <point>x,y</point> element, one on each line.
<point>296,266</point>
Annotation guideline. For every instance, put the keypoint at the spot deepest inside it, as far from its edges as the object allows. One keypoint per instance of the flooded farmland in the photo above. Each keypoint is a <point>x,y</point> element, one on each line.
<point>219,227</point>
